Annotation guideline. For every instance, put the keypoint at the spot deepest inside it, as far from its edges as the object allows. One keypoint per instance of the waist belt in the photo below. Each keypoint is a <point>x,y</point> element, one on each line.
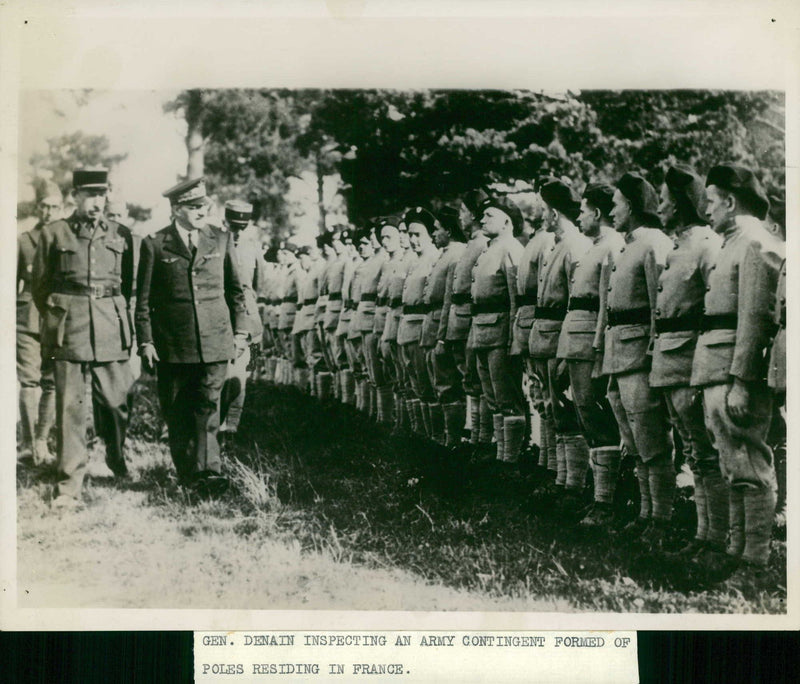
<point>719,322</point>
<point>498,305</point>
<point>334,296</point>
<point>583,304</point>
<point>690,321</point>
<point>629,316</point>
<point>289,300</point>
<point>415,308</point>
<point>350,305</point>
<point>551,313</point>
<point>369,297</point>
<point>526,299</point>
<point>460,298</point>
<point>93,291</point>
<point>382,301</point>
<point>309,301</point>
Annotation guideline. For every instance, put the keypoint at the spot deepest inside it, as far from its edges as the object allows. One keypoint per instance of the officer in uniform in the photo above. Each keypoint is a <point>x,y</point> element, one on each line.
<point>82,283</point>
<point>555,270</point>
<point>597,423</point>
<point>679,307</point>
<point>324,369</point>
<point>37,401</point>
<point>447,414</point>
<point>494,307</point>
<point>627,323</point>
<point>191,320</point>
<point>238,215</point>
<point>730,364</point>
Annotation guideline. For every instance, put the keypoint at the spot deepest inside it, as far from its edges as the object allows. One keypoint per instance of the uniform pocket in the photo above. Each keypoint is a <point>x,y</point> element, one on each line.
<point>633,333</point>
<point>55,319</point>
<point>117,249</point>
<point>486,319</point>
<point>66,259</point>
<point>719,338</point>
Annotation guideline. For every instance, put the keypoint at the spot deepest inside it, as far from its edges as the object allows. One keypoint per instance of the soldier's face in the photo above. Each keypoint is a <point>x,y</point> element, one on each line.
<point>191,215</point>
<point>666,207</point>
<point>328,251</point>
<point>418,236</point>
<point>719,209</point>
<point>305,262</point>
<point>589,219</point>
<point>48,209</point>
<point>441,237</point>
<point>365,249</point>
<point>493,221</point>
<point>90,203</point>
<point>390,239</point>
<point>403,238</point>
<point>621,212</point>
<point>465,216</point>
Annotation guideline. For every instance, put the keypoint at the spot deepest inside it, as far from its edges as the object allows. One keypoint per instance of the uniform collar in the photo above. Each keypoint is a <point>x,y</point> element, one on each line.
<point>635,234</point>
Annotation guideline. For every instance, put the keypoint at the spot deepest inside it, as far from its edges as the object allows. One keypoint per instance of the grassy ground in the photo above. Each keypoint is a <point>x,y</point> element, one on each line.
<point>329,511</point>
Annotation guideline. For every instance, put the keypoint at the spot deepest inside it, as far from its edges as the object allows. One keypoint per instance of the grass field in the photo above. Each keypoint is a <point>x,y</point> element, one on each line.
<point>330,511</point>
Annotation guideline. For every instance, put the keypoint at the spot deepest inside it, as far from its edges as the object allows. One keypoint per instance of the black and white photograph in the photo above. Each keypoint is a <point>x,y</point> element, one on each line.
<point>503,348</point>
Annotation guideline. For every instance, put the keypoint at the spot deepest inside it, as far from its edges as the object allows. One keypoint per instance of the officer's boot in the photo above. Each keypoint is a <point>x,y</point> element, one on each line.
<point>425,412</point>
<point>513,437</point>
<point>474,419</point>
<point>577,460</point>
<point>437,423</point>
<point>605,471</point>
<point>453,422</point>
<point>498,420</point>
<point>28,410</point>
<point>326,385</point>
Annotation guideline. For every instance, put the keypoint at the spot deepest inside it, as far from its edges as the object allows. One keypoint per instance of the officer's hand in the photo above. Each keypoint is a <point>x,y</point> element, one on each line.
<point>439,348</point>
<point>149,356</point>
<point>240,343</point>
<point>738,403</point>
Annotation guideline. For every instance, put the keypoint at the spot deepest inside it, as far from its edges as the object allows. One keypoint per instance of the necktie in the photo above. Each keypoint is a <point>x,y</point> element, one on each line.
<point>192,247</point>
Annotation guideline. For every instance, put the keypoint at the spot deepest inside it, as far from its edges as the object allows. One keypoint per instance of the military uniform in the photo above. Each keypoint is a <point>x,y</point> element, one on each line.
<point>365,323</point>
<point>344,351</point>
<point>776,376</point>
<point>324,368</point>
<point>384,373</point>
<point>303,327</point>
<point>34,374</point>
<point>82,283</point>
<point>290,297</point>
<point>267,300</point>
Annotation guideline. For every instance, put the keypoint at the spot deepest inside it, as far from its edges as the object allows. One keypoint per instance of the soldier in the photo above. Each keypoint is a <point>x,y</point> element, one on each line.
<point>333,286</point>
<point>555,270</point>
<point>447,413</point>
<point>293,364</point>
<point>303,326</point>
<point>82,283</point>
<point>344,360</point>
<point>729,365</point>
<point>238,215</point>
<point>267,308</point>
<point>34,373</point>
<point>421,224</point>
<point>679,306</point>
<point>575,342</point>
<point>494,307</point>
<point>324,387</point>
<point>626,326</point>
<point>190,322</point>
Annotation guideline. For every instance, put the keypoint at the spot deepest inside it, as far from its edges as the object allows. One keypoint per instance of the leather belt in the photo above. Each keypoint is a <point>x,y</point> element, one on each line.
<point>527,299</point>
<point>415,308</point>
<point>289,300</point>
<point>719,322</point>
<point>396,302</point>
<point>334,296</point>
<point>369,297</point>
<point>309,301</point>
<point>495,305</point>
<point>93,291</point>
<point>382,301</point>
<point>690,321</point>
<point>629,316</point>
<point>583,304</point>
<point>350,305</point>
<point>551,313</point>
<point>460,298</point>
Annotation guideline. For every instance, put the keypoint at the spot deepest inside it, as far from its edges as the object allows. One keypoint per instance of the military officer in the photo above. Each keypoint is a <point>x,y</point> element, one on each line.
<point>447,413</point>
<point>679,306</point>
<point>627,326</point>
<point>34,373</point>
<point>494,307</point>
<point>555,269</point>
<point>421,224</point>
<point>191,320</point>
<point>82,282</point>
<point>596,420</point>
<point>730,363</point>
<point>238,216</point>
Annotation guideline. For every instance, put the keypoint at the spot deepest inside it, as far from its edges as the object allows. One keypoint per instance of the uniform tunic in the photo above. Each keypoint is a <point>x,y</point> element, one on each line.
<point>528,288</point>
<point>776,378</point>
<point>397,270</point>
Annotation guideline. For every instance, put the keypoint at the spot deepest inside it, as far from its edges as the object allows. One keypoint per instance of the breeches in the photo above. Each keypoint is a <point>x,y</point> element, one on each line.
<point>448,374</point>
<point>415,365</point>
<point>685,408</point>
<point>557,403</point>
<point>595,417</point>
<point>501,381</point>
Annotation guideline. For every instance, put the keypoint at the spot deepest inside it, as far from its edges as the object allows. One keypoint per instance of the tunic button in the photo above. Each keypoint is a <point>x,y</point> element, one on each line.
<point>609,288</point>
<point>613,268</point>
<point>714,267</point>
<point>674,246</point>
<point>544,264</point>
<point>658,312</point>
<point>708,289</point>
<point>621,249</point>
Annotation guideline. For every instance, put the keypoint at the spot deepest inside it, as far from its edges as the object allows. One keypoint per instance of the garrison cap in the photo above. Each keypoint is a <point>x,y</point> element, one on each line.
<point>238,211</point>
<point>362,234</point>
<point>688,190</point>
<point>561,197</point>
<point>450,219</point>
<point>47,189</point>
<point>473,200</point>
<point>508,207</point>
<point>420,215</point>
<point>742,184</point>
<point>600,196</point>
<point>642,198</point>
<point>391,220</point>
<point>87,179</point>
<point>187,191</point>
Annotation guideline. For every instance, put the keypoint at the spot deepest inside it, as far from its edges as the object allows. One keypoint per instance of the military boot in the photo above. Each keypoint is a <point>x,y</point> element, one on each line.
<point>513,437</point>
<point>497,422</point>
<point>28,411</point>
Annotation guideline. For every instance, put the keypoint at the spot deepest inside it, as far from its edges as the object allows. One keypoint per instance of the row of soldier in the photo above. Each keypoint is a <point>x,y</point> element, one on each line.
<point>628,317</point>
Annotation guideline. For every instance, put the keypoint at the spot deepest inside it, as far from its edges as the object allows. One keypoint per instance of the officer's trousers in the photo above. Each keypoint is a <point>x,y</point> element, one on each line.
<point>110,383</point>
<point>685,407</point>
<point>395,369</point>
<point>595,417</point>
<point>448,372</point>
<point>189,395</point>
<point>233,391</point>
<point>501,381</point>
<point>312,351</point>
<point>415,367</point>
<point>557,405</point>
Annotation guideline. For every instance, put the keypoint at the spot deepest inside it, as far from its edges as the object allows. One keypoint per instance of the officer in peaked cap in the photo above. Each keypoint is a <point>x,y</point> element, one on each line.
<point>238,215</point>
<point>191,320</point>
<point>82,282</point>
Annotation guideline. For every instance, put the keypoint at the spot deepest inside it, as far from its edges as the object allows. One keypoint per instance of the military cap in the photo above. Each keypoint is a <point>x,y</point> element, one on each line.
<point>271,255</point>
<point>450,219</point>
<point>742,184</point>
<point>420,215</point>
<point>642,198</point>
<point>473,200</point>
<point>187,191</point>
<point>85,179</point>
<point>391,220</point>
<point>600,196</point>
<point>325,239</point>
<point>237,211</point>
<point>362,234</point>
<point>303,250</point>
<point>346,235</point>
<point>508,207</point>
<point>46,189</point>
<point>288,246</point>
<point>561,197</point>
<point>688,190</point>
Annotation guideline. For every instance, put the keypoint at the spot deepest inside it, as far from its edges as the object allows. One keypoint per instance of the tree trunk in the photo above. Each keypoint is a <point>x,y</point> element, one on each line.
<point>194,134</point>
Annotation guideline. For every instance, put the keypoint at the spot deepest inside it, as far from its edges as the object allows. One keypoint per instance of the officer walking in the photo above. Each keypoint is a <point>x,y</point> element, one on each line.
<point>82,283</point>
<point>189,291</point>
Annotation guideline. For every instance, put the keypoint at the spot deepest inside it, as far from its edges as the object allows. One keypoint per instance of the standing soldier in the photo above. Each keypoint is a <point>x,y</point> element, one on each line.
<point>333,309</point>
<point>421,224</point>
<point>324,372</point>
<point>268,305</point>
<point>303,326</point>
<point>251,274</point>
<point>344,350</point>
<point>190,322</point>
<point>447,414</point>
<point>290,295</point>
<point>82,283</point>
<point>679,308</point>
<point>494,307</point>
<point>575,347</point>
<point>627,323</point>
<point>34,372</point>
<point>555,268</point>
<point>730,365</point>
<point>355,355</point>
